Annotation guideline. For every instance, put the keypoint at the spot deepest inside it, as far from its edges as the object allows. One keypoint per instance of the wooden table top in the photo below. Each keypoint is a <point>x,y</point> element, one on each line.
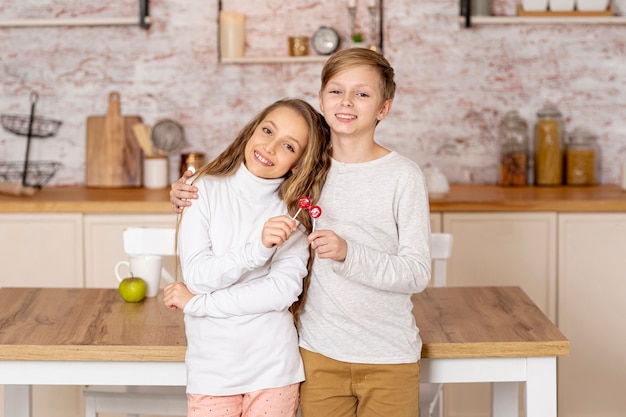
<point>97,325</point>
<point>87,324</point>
<point>469,322</point>
<point>462,197</point>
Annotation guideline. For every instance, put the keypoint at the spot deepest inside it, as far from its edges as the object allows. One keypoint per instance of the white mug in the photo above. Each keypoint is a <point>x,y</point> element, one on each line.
<point>147,267</point>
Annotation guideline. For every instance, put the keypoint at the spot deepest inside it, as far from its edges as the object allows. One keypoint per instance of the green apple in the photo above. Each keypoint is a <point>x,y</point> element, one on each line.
<point>133,289</point>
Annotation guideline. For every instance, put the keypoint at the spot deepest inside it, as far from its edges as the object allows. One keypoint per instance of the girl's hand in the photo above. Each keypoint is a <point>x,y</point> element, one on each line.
<point>277,230</point>
<point>176,296</point>
<point>328,245</point>
<point>181,193</point>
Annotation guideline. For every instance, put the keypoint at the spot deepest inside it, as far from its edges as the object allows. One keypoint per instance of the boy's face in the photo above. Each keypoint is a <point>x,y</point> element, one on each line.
<point>352,101</point>
<point>277,143</point>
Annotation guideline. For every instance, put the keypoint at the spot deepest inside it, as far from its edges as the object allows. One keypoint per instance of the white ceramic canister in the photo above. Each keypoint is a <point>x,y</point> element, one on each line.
<point>155,172</point>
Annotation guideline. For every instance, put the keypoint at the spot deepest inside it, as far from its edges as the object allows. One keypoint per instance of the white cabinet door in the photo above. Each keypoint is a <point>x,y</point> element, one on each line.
<point>41,250</point>
<point>435,222</point>
<point>592,314</point>
<point>504,249</point>
<point>104,246</point>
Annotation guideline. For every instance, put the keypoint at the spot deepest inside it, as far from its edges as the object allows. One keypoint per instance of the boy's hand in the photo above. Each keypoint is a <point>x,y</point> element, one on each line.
<point>277,230</point>
<point>328,245</point>
<point>181,193</point>
<point>176,296</point>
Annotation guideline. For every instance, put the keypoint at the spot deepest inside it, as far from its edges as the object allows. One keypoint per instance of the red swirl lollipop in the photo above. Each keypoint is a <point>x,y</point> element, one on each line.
<point>304,202</point>
<point>315,212</point>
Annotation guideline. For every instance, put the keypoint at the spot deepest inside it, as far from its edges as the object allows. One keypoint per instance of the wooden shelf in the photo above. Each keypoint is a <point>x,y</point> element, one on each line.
<point>555,20</point>
<point>574,17</point>
<point>275,59</point>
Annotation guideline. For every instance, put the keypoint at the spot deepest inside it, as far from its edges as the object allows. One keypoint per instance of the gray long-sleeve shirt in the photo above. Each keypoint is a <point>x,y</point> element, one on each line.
<point>360,310</point>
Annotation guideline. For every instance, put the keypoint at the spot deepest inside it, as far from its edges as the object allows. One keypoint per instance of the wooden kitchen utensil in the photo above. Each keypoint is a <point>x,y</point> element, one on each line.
<point>114,158</point>
<point>142,134</point>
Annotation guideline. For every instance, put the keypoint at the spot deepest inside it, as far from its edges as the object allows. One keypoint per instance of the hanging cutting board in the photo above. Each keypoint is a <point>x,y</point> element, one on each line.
<point>114,157</point>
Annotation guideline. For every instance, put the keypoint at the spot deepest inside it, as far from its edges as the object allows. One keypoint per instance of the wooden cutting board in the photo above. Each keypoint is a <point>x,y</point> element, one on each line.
<point>114,158</point>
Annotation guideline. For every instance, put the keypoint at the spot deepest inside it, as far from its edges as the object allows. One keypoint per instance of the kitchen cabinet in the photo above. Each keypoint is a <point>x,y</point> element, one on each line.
<point>104,246</point>
<point>435,222</point>
<point>41,250</point>
<point>591,312</point>
<point>506,249</point>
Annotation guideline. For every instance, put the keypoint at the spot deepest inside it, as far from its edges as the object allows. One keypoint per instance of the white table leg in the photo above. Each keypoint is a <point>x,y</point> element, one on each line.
<point>504,399</point>
<point>17,401</point>
<point>541,387</point>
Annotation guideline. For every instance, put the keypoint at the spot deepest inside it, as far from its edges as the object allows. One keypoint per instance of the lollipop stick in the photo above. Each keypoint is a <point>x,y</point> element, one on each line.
<point>296,215</point>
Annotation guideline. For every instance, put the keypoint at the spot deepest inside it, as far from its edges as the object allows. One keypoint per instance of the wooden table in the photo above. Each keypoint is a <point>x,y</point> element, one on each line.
<point>91,337</point>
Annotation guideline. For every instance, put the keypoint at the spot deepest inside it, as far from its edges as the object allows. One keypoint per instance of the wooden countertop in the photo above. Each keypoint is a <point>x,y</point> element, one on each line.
<point>470,198</point>
<point>461,198</point>
<point>97,325</point>
<point>89,200</point>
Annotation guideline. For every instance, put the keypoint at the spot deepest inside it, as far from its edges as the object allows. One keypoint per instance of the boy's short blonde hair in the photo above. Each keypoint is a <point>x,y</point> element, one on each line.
<point>352,57</point>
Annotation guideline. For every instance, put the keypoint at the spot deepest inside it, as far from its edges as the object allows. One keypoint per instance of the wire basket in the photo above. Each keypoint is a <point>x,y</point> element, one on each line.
<point>38,173</point>
<point>18,124</point>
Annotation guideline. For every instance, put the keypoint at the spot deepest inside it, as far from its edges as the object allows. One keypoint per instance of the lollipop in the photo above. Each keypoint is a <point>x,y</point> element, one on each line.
<point>304,202</point>
<point>315,212</point>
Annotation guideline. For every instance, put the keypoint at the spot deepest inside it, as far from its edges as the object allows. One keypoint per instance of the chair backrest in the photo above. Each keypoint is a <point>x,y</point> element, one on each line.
<point>149,241</point>
<point>440,250</point>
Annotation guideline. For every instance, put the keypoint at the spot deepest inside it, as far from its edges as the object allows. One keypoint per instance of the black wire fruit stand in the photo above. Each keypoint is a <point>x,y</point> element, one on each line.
<point>29,174</point>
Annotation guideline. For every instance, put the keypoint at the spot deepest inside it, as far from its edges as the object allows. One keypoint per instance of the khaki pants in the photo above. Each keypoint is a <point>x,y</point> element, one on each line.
<point>341,389</point>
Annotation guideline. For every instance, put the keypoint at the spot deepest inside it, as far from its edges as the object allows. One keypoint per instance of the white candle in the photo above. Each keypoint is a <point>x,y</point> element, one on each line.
<point>351,3</point>
<point>371,3</point>
<point>232,34</point>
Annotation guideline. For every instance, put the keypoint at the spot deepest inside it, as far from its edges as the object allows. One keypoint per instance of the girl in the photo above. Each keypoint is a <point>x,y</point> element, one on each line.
<point>243,262</point>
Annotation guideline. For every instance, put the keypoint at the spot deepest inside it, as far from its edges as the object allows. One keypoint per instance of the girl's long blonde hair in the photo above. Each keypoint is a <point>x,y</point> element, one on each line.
<point>306,178</point>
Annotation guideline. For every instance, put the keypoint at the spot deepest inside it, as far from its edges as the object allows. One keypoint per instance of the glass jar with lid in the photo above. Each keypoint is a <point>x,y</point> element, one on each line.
<point>549,146</point>
<point>513,137</point>
<point>582,158</point>
<point>191,161</point>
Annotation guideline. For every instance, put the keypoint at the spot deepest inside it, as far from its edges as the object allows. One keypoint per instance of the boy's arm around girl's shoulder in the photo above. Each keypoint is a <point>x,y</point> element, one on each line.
<point>275,291</point>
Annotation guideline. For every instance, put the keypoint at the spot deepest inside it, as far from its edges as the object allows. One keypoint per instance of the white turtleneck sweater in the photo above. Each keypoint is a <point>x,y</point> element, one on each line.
<point>240,334</point>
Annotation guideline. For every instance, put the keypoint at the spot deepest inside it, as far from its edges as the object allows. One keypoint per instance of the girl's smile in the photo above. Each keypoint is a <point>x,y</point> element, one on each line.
<point>276,144</point>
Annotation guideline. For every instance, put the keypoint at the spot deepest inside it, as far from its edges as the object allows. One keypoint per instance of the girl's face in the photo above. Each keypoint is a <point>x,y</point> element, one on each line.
<point>352,101</point>
<point>277,143</point>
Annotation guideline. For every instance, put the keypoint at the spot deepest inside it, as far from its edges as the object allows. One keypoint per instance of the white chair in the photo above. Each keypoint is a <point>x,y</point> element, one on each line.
<point>132,400</point>
<point>431,395</point>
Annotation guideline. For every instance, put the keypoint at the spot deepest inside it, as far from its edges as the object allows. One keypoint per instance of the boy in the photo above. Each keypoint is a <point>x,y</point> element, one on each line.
<point>358,338</point>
